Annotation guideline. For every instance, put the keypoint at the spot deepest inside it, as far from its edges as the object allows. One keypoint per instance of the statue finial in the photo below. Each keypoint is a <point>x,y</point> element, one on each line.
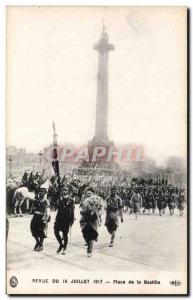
<point>54,134</point>
<point>53,126</point>
<point>104,26</point>
<point>104,34</point>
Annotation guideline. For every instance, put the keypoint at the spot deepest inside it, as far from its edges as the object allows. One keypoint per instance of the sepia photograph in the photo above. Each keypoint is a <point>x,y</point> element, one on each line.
<point>96,150</point>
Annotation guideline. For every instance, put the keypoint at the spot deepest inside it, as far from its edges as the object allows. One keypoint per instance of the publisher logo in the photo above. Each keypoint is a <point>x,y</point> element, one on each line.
<point>175,282</point>
<point>13,282</point>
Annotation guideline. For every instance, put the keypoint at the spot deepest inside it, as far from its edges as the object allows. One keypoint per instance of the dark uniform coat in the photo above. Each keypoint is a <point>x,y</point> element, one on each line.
<point>40,218</point>
<point>150,201</point>
<point>172,201</point>
<point>163,200</point>
<point>181,201</point>
<point>65,214</point>
<point>114,204</point>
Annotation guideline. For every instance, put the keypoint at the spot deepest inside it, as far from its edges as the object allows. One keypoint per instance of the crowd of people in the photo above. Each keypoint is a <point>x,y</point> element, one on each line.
<point>95,195</point>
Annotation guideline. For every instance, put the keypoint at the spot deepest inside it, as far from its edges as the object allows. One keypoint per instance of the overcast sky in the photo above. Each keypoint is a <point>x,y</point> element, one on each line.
<point>52,73</point>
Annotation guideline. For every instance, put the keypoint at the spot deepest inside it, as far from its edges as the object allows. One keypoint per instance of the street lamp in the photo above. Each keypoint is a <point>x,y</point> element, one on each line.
<point>40,155</point>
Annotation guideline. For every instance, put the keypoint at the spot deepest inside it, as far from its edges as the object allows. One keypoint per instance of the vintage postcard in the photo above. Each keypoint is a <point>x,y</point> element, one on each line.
<point>96,150</point>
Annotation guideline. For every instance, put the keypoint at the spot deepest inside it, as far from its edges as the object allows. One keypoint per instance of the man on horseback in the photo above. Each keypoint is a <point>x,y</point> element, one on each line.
<point>25,178</point>
<point>39,178</point>
<point>27,191</point>
<point>33,182</point>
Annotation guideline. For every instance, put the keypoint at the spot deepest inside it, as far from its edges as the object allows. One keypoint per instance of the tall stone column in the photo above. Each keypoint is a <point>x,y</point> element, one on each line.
<point>103,47</point>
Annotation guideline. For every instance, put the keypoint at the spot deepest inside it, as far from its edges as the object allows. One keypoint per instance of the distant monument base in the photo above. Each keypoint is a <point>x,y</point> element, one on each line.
<point>100,141</point>
<point>94,145</point>
<point>100,163</point>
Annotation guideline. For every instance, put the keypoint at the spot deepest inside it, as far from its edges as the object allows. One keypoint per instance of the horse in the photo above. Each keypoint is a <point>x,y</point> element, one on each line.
<point>23,194</point>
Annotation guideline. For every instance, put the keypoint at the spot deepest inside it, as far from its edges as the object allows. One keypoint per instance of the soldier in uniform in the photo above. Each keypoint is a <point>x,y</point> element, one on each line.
<point>114,209</point>
<point>157,193</point>
<point>25,178</point>
<point>150,201</point>
<point>41,216</point>
<point>90,207</point>
<point>128,200</point>
<point>64,218</point>
<point>136,202</point>
<point>33,183</point>
<point>162,201</point>
<point>181,201</point>
<point>130,203</point>
<point>39,178</point>
<point>172,201</point>
<point>122,194</point>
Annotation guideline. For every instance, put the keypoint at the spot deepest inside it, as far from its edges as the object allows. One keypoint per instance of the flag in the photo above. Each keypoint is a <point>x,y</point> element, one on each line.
<point>55,162</point>
<point>55,166</point>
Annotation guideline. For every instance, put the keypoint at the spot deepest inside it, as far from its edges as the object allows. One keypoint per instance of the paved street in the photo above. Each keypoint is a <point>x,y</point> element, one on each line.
<point>148,244</point>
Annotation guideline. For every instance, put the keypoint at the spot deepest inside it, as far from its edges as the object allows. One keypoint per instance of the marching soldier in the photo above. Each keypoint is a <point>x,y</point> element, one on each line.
<point>90,207</point>
<point>143,192</point>
<point>114,210</point>
<point>150,201</point>
<point>127,199</point>
<point>64,218</point>
<point>157,193</point>
<point>41,216</point>
<point>136,202</point>
<point>181,202</point>
<point>172,200</point>
<point>162,201</point>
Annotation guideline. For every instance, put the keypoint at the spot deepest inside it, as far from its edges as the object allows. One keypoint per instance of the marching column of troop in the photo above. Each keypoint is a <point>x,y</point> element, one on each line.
<point>91,206</point>
<point>152,198</point>
<point>61,195</point>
